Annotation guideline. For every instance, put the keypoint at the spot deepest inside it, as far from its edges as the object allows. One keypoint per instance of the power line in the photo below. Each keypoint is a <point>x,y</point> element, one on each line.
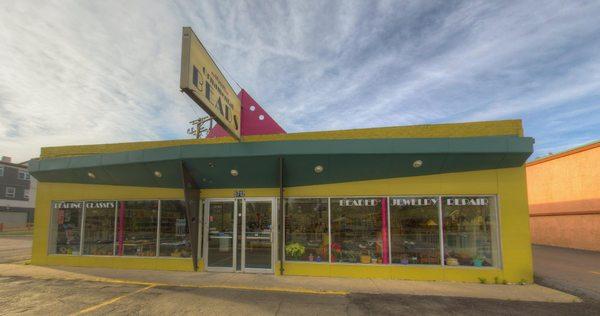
<point>221,67</point>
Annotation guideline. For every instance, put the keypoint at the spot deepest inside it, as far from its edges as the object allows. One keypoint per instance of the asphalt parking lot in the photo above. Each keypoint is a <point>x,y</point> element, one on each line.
<point>569,270</point>
<point>34,297</point>
<point>15,248</point>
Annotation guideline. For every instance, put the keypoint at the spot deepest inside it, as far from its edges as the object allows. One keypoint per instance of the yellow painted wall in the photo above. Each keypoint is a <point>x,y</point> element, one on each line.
<point>509,184</point>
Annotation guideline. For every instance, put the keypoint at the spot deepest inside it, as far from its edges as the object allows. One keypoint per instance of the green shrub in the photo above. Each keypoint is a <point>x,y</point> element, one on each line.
<point>295,250</point>
<point>522,282</point>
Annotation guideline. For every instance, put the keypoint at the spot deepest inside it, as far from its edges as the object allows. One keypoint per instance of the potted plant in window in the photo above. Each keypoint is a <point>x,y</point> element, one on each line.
<point>295,250</point>
<point>404,259</point>
<point>479,260</point>
<point>336,251</point>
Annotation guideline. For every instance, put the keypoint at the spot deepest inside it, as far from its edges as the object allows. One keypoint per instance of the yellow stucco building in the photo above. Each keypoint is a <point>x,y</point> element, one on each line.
<point>429,202</point>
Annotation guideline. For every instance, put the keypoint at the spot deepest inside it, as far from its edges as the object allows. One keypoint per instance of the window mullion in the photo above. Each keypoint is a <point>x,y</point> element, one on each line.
<point>158,228</point>
<point>115,229</point>
<point>389,234</point>
<point>441,229</point>
<point>82,231</point>
<point>329,226</point>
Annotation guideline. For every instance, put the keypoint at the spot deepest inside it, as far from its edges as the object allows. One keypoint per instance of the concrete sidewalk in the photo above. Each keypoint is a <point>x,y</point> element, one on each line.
<point>298,284</point>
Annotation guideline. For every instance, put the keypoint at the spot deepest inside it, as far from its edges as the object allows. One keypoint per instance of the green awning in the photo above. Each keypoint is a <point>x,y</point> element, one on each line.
<point>257,162</point>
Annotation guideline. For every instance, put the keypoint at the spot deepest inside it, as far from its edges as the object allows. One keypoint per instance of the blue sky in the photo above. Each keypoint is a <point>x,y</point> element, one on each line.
<point>82,72</point>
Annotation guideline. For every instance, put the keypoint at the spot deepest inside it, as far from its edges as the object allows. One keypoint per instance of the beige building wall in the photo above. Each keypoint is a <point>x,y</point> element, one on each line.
<point>564,198</point>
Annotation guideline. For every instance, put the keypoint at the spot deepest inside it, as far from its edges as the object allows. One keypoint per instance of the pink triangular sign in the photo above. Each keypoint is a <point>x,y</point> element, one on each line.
<point>255,120</point>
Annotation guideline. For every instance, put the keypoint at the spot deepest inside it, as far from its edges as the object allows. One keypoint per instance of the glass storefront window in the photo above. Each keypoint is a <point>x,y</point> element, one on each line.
<point>66,228</point>
<point>306,230</point>
<point>470,231</point>
<point>359,230</point>
<point>136,228</point>
<point>99,228</point>
<point>174,232</point>
<point>415,230</point>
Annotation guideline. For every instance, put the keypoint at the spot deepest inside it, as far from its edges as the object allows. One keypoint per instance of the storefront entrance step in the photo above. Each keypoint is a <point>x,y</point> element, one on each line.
<point>300,284</point>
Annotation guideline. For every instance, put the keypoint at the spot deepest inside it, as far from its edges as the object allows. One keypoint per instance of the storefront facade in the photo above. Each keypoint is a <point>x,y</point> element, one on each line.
<point>436,202</point>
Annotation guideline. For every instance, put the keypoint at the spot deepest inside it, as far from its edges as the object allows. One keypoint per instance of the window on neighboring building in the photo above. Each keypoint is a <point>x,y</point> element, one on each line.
<point>415,230</point>
<point>174,232</point>
<point>470,231</point>
<point>23,175</point>
<point>65,231</point>
<point>1,171</point>
<point>26,194</point>
<point>10,192</point>
<point>306,230</point>
<point>136,228</point>
<point>359,230</point>
<point>99,228</point>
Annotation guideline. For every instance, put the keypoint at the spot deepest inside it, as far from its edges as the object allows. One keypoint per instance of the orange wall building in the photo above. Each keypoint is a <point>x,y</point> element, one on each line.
<point>564,198</point>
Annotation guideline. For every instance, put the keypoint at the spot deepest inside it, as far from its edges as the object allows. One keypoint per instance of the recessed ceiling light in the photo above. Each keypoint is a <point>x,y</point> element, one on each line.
<point>417,163</point>
<point>158,174</point>
<point>261,117</point>
<point>91,175</point>
<point>252,108</point>
<point>318,169</point>
<point>211,164</point>
<point>234,172</point>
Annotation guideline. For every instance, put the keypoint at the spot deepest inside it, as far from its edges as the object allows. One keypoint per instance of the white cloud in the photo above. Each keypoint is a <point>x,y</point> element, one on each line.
<point>75,72</point>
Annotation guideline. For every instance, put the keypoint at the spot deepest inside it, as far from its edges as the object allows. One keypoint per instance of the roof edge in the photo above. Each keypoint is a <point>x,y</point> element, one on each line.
<point>565,153</point>
<point>450,130</point>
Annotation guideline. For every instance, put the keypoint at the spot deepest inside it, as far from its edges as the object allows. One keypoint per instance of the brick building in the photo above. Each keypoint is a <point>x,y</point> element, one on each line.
<point>564,198</point>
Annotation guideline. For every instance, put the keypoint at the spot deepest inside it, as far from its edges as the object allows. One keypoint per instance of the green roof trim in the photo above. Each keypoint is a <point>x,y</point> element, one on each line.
<point>257,162</point>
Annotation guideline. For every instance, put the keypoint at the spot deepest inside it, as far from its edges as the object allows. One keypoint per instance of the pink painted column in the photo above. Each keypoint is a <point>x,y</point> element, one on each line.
<point>385,251</point>
<point>121,227</point>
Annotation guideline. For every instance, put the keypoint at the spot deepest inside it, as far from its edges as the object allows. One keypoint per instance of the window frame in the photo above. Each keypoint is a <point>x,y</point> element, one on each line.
<point>52,221</point>
<point>1,171</point>
<point>157,226</point>
<point>83,218</point>
<point>328,228</point>
<point>440,229</point>
<point>497,231</point>
<point>23,175</point>
<point>115,242</point>
<point>160,224</point>
<point>442,264</point>
<point>13,194</point>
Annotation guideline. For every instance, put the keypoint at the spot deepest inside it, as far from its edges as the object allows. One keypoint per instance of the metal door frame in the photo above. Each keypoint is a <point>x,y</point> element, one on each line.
<point>206,232</point>
<point>274,243</point>
<point>273,235</point>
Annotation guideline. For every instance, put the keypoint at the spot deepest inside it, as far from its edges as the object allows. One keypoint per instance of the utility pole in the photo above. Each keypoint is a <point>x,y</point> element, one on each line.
<point>199,128</point>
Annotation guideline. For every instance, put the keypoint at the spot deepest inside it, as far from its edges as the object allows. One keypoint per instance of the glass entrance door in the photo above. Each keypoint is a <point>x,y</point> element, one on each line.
<point>258,235</point>
<point>219,235</point>
<point>239,235</point>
